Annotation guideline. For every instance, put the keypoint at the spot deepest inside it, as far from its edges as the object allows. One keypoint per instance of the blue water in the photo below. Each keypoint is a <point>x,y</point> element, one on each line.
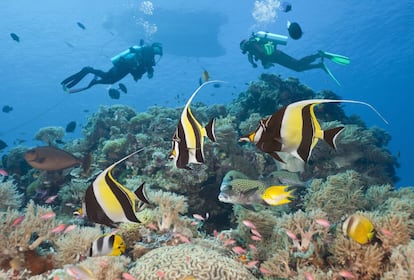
<point>377,35</point>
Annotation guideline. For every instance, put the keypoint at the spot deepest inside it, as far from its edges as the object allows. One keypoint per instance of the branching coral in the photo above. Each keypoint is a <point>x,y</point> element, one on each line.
<point>309,236</point>
<point>188,260</point>
<point>21,236</point>
<point>9,196</point>
<point>170,206</point>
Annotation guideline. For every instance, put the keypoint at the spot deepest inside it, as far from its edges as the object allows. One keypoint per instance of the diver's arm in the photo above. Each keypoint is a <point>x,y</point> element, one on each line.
<point>250,58</point>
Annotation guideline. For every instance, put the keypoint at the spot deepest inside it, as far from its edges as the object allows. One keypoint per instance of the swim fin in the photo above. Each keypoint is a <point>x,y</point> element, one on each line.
<point>330,74</point>
<point>337,58</point>
<point>75,90</point>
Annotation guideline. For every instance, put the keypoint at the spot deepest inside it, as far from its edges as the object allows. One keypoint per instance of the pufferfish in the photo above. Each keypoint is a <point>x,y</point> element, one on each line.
<point>237,189</point>
<point>358,228</point>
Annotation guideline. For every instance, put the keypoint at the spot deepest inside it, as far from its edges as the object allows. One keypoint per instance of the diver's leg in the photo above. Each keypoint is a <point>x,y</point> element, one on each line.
<point>295,64</point>
<point>76,78</point>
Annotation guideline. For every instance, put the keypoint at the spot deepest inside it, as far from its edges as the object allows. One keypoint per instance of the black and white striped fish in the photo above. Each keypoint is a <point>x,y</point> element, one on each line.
<point>294,129</point>
<point>188,139</point>
<point>108,202</point>
<point>107,245</point>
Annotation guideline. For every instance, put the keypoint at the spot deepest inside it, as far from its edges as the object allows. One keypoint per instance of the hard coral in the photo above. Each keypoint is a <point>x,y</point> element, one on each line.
<point>188,260</point>
<point>50,134</point>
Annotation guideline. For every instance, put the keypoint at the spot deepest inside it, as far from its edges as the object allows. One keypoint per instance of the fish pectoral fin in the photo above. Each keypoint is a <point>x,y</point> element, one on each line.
<point>40,159</point>
<point>330,135</point>
<point>251,191</point>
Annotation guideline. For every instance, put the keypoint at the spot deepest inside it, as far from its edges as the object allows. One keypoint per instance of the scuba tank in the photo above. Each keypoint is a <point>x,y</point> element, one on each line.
<point>275,38</point>
<point>126,55</point>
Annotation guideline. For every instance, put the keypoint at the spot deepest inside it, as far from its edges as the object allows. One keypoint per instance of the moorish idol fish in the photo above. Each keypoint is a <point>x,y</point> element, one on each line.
<point>107,202</point>
<point>107,245</point>
<point>294,129</point>
<point>188,139</point>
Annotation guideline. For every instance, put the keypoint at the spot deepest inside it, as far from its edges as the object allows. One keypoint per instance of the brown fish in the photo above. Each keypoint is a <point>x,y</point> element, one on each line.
<point>51,159</point>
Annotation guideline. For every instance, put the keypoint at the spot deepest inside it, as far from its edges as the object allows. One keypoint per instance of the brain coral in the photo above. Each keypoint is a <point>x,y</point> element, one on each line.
<point>177,262</point>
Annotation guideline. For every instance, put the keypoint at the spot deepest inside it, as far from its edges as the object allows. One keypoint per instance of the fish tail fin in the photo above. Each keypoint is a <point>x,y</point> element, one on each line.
<point>330,135</point>
<point>140,193</point>
<point>210,130</point>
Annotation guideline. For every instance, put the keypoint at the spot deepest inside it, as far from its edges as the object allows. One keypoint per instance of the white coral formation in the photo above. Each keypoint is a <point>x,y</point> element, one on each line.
<point>188,260</point>
<point>10,197</point>
<point>170,206</point>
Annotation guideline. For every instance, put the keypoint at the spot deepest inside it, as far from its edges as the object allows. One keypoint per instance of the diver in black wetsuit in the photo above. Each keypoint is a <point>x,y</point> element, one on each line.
<point>265,49</point>
<point>136,61</point>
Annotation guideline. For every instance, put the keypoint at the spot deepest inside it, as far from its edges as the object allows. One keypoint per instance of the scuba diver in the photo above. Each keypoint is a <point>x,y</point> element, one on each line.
<point>135,61</point>
<point>262,46</point>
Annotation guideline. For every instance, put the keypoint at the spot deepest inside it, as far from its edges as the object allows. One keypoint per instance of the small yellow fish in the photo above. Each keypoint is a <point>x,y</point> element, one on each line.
<point>277,195</point>
<point>358,228</point>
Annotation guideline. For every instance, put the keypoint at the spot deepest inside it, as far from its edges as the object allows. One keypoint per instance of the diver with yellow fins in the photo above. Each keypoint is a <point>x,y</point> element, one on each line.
<point>263,46</point>
<point>136,61</point>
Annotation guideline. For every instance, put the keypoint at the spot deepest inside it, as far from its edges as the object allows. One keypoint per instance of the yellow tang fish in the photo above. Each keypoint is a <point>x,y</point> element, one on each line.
<point>294,129</point>
<point>358,228</point>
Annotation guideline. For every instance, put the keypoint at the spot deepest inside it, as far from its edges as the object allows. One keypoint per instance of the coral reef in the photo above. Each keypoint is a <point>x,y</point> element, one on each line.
<point>295,241</point>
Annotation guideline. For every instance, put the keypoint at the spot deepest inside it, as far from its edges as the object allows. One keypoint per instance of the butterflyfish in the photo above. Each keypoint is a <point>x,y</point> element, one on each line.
<point>107,245</point>
<point>188,139</point>
<point>358,228</point>
<point>107,202</point>
<point>294,129</point>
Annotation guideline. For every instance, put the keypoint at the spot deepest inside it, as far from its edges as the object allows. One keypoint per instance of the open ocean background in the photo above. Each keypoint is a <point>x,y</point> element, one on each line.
<point>378,36</point>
